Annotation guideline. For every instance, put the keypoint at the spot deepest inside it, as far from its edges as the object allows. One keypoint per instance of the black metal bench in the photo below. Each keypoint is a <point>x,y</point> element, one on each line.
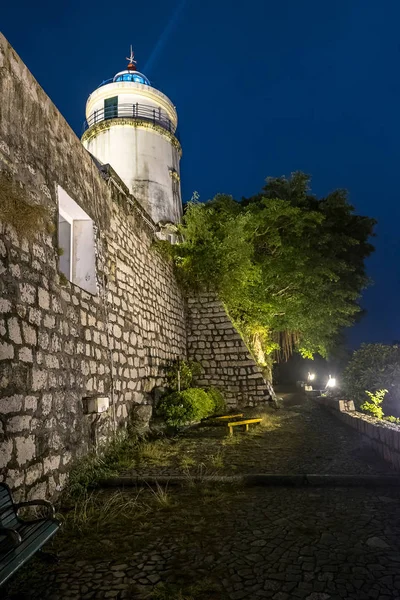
<point>21,539</point>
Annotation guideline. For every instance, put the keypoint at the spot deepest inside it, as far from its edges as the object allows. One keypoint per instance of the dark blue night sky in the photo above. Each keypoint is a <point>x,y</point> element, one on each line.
<point>262,88</point>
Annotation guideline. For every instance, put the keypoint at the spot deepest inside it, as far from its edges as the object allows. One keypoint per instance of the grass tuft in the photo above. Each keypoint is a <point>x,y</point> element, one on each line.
<point>156,452</point>
<point>161,495</point>
<point>265,423</point>
<point>62,279</point>
<point>87,472</point>
<point>187,461</point>
<point>217,460</point>
<point>93,510</point>
<point>27,219</point>
<point>233,440</point>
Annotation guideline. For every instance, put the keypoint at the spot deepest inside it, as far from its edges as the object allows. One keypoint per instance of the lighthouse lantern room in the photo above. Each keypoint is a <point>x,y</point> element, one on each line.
<point>132,126</point>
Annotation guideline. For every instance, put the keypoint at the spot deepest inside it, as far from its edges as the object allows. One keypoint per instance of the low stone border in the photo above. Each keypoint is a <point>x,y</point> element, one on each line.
<point>335,404</point>
<point>382,436</point>
<point>260,479</point>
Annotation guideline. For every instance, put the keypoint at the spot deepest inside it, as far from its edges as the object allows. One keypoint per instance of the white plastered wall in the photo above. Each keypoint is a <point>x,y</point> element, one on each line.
<point>145,160</point>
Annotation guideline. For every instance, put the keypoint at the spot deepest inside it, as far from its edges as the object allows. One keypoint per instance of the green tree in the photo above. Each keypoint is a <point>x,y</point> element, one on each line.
<point>326,271</point>
<point>288,266</point>
<point>374,367</point>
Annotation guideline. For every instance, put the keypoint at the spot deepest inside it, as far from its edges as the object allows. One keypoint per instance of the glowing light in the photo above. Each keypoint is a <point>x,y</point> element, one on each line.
<point>172,23</point>
<point>311,376</point>
<point>136,77</point>
<point>331,382</point>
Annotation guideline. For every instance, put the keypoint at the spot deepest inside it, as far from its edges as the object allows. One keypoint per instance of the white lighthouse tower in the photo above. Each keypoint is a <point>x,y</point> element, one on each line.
<point>132,126</point>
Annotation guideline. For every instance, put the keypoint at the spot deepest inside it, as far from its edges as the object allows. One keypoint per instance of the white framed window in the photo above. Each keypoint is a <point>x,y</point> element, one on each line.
<point>76,242</point>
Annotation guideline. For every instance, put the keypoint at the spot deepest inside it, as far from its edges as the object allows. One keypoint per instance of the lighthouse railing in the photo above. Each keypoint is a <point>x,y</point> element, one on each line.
<point>142,112</point>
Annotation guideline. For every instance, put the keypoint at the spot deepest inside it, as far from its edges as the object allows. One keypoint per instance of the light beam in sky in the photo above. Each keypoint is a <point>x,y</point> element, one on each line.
<point>164,36</point>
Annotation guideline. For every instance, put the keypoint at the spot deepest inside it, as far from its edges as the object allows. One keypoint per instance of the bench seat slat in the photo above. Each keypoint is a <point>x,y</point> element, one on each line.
<point>228,417</point>
<point>4,493</point>
<point>36,537</point>
<point>33,534</point>
<point>8,519</point>
<point>234,423</point>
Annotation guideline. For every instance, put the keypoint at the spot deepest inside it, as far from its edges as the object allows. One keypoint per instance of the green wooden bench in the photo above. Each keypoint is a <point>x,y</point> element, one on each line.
<point>20,539</point>
<point>247,422</point>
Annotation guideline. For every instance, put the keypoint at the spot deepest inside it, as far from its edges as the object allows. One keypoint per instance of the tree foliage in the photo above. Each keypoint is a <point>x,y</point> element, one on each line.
<point>374,367</point>
<point>288,266</point>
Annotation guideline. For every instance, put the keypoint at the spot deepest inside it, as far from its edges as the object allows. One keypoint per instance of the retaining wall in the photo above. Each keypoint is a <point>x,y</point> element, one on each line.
<point>382,436</point>
<point>214,342</point>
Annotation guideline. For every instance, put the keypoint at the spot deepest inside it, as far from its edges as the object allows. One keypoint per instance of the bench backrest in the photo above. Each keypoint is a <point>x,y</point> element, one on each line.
<point>8,517</point>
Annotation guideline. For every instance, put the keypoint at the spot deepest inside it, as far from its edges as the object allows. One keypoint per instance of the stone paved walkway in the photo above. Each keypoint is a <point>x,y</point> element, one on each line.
<point>303,437</point>
<point>275,543</point>
<point>229,544</point>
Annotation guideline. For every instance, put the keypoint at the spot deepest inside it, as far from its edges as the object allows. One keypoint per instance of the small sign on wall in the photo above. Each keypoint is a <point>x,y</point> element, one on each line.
<point>96,404</point>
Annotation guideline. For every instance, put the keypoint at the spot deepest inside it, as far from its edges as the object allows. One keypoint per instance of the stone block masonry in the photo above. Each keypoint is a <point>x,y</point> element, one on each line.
<point>60,343</point>
<point>214,342</point>
<point>382,436</point>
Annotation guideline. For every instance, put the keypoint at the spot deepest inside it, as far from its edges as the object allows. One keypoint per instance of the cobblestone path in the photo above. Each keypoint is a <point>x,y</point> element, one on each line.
<point>302,437</point>
<point>275,543</point>
<point>308,439</point>
<point>229,544</point>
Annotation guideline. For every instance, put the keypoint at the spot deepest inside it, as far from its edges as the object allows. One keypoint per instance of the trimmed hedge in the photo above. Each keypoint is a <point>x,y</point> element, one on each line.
<point>180,408</point>
<point>193,404</point>
<point>218,400</point>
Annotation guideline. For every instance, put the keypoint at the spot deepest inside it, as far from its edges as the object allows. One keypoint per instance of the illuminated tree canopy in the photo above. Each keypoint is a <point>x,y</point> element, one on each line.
<point>288,266</point>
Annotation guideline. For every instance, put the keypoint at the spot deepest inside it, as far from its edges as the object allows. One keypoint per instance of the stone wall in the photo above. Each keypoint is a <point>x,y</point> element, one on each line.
<point>382,436</point>
<point>58,343</point>
<point>214,342</point>
<point>335,403</point>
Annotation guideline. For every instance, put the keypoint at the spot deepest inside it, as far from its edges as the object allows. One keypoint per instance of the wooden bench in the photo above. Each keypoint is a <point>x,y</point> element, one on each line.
<point>246,422</point>
<point>20,539</point>
<point>221,420</point>
<point>224,417</point>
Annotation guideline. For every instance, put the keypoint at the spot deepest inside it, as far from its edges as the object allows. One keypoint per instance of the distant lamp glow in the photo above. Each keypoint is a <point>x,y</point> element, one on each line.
<point>311,376</point>
<point>331,382</point>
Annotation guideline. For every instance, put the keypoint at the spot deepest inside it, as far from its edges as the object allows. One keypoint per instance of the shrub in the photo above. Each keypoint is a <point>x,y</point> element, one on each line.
<point>373,367</point>
<point>218,400</point>
<point>181,373</point>
<point>62,279</point>
<point>164,249</point>
<point>373,406</point>
<point>392,419</point>
<point>180,408</point>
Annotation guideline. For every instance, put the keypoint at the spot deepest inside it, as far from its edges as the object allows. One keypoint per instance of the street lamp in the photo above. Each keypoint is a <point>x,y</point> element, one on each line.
<point>331,382</point>
<point>311,376</point>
